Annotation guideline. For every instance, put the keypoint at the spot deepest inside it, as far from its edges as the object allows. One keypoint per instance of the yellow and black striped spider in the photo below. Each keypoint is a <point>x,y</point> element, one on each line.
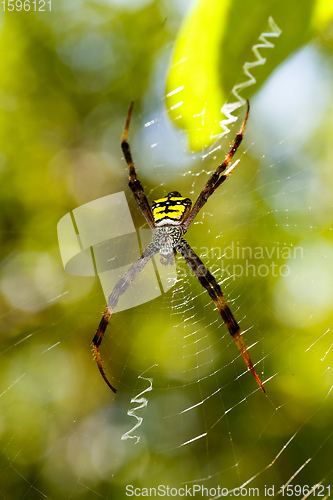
<point>169,219</point>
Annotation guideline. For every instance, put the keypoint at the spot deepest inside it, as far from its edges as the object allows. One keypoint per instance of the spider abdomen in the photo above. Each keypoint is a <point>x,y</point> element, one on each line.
<point>166,238</point>
<point>173,208</point>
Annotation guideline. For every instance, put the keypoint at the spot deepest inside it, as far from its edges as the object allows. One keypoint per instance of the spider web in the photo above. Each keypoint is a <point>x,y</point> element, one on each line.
<point>188,413</point>
<point>271,262</point>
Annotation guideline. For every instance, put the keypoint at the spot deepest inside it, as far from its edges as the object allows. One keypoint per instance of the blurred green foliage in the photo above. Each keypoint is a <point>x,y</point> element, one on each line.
<point>67,78</point>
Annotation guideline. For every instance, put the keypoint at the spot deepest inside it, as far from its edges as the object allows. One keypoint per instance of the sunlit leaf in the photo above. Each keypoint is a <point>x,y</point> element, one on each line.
<point>216,40</point>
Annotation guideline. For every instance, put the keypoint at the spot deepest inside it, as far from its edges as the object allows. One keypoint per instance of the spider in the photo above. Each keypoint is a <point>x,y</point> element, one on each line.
<point>169,219</point>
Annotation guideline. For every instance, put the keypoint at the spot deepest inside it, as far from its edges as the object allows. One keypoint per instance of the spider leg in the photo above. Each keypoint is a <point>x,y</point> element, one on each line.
<point>120,288</point>
<point>208,281</point>
<point>218,176</point>
<point>134,182</point>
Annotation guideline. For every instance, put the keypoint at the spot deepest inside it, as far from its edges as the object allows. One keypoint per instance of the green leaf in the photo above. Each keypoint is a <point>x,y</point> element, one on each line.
<point>214,43</point>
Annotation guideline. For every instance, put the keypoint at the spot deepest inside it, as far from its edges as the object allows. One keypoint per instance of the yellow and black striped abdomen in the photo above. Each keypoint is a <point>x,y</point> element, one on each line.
<point>171,209</point>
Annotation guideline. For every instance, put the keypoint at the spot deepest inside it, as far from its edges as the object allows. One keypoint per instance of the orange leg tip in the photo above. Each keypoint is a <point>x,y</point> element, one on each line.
<point>100,367</point>
<point>124,139</point>
<point>241,346</point>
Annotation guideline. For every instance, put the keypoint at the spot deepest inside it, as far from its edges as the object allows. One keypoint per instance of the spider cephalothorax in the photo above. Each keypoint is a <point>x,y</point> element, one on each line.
<point>169,219</point>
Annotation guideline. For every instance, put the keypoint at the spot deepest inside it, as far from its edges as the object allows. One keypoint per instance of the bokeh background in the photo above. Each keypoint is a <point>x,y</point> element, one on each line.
<point>67,78</point>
